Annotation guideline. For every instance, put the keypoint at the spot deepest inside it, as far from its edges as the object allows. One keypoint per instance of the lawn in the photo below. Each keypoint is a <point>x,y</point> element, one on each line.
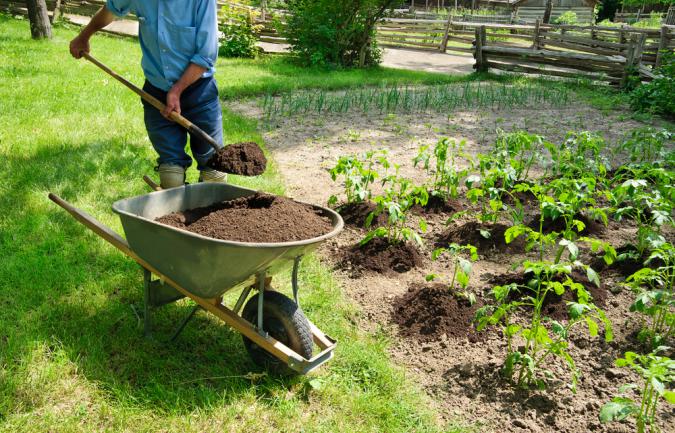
<point>72,354</point>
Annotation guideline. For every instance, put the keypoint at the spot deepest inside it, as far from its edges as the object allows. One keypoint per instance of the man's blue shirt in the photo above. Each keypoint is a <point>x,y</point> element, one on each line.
<point>173,34</point>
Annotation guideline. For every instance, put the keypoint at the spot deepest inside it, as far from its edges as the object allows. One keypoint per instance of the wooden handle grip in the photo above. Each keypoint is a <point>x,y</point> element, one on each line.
<point>182,121</point>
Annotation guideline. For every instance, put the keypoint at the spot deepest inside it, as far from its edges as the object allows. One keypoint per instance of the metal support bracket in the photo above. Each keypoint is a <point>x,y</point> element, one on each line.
<point>261,301</point>
<point>294,280</point>
<point>185,321</point>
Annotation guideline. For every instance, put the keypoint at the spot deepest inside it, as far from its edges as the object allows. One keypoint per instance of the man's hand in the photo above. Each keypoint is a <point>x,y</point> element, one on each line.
<point>172,102</point>
<point>79,45</point>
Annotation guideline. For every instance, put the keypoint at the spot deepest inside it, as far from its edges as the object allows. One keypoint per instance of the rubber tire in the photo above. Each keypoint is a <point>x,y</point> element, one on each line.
<point>285,322</point>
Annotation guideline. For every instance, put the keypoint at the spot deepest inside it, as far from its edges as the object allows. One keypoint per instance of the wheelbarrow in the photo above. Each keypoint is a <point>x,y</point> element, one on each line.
<point>179,264</point>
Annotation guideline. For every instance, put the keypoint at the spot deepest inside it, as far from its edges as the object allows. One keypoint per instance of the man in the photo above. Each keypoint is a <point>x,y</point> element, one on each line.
<point>179,42</point>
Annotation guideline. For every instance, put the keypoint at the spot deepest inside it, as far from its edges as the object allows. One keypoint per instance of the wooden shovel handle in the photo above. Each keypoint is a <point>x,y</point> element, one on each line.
<point>191,127</point>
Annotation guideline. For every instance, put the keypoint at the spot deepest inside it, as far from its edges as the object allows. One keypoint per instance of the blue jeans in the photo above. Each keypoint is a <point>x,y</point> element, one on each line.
<point>199,104</point>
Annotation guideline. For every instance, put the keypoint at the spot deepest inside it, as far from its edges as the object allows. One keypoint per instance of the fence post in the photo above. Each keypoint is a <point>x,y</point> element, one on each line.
<point>663,45</point>
<point>535,41</point>
<point>444,44</point>
<point>630,60</point>
<point>622,34</point>
<point>481,60</point>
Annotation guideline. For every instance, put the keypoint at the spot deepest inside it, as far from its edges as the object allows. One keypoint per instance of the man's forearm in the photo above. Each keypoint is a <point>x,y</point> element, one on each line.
<point>102,18</point>
<point>191,74</point>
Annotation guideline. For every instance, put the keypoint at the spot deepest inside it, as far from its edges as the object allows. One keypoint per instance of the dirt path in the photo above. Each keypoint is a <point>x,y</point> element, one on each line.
<point>460,373</point>
<point>409,59</point>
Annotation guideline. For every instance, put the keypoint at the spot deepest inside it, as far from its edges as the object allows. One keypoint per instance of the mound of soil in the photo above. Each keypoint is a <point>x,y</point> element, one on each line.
<point>438,204</point>
<point>555,306</point>
<point>426,313</point>
<point>245,159</point>
<point>355,214</point>
<point>377,255</point>
<point>257,218</point>
<point>593,227</point>
<point>628,261</point>
<point>470,233</point>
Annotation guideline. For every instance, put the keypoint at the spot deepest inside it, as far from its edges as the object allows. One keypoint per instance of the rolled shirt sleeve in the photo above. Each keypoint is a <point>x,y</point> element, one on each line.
<point>206,44</point>
<point>119,8</point>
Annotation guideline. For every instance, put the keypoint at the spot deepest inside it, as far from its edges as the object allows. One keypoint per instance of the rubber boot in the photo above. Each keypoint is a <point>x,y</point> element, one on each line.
<point>171,175</point>
<point>210,175</point>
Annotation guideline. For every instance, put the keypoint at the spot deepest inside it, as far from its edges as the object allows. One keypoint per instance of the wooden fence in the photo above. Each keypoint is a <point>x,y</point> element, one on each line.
<point>443,36</point>
<point>574,55</point>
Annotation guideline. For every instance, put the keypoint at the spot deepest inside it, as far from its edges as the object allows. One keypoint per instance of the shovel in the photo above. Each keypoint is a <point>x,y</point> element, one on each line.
<point>182,121</point>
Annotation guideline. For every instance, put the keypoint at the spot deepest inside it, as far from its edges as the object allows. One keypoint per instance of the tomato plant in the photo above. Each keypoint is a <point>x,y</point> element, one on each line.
<point>442,166</point>
<point>655,297</point>
<point>399,197</point>
<point>544,337</point>
<point>462,268</point>
<point>657,373</point>
<point>359,174</point>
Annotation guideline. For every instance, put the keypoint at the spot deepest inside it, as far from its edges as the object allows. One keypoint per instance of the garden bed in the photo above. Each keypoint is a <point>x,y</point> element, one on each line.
<point>433,339</point>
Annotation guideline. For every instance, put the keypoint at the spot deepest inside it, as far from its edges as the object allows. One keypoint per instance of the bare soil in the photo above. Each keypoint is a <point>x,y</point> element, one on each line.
<point>426,313</point>
<point>381,257</point>
<point>256,218</point>
<point>462,376</point>
<point>485,237</point>
<point>355,214</point>
<point>245,159</point>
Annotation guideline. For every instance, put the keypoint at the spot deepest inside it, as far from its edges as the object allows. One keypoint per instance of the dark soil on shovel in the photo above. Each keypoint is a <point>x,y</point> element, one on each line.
<point>257,218</point>
<point>427,312</point>
<point>245,159</point>
<point>377,255</point>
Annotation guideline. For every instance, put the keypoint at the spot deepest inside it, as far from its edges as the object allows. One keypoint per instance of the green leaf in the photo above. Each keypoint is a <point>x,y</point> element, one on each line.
<point>431,277</point>
<point>592,327</point>
<point>462,279</point>
<point>592,276</point>
<point>616,411</point>
<point>669,396</point>
<point>485,233</point>
<point>576,310</point>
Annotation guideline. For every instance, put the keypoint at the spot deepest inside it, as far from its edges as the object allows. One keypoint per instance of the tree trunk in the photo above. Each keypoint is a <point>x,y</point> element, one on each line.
<point>40,27</point>
<point>547,11</point>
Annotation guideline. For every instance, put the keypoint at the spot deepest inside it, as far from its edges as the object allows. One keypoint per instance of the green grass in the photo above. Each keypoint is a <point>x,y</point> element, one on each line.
<point>275,74</point>
<point>72,354</point>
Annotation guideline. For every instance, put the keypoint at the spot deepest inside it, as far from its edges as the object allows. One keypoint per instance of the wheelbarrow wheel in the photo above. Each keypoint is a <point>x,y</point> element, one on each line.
<point>284,321</point>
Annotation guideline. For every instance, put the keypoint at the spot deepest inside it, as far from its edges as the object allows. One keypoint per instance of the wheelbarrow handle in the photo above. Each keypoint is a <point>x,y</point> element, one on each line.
<point>182,121</point>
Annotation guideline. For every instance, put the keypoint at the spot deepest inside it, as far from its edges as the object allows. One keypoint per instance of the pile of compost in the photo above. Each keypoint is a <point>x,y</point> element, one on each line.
<point>257,218</point>
<point>428,312</point>
<point>244,159</point>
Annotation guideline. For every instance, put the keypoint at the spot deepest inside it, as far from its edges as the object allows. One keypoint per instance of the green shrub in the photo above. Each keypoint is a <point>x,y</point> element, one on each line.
<point>239,33</point>
<point>657,96</point>
<point>330,33</point>
<point>568,17</point>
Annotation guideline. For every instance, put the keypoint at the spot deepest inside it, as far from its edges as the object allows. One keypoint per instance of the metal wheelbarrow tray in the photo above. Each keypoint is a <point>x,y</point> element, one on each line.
<point>204,269</point>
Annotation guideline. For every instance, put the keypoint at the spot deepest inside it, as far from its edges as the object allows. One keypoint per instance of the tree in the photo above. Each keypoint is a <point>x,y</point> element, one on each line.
<point>339,33</point>
<point>40,27</point>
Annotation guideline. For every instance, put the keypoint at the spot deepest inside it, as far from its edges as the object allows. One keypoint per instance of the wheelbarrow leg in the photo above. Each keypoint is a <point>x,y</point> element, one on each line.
<point>294,280</point>
<point>185,322</point>
<point>261,302</point>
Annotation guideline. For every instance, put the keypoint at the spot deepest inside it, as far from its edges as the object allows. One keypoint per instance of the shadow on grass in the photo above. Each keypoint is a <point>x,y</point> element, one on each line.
<point>73,290</point>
